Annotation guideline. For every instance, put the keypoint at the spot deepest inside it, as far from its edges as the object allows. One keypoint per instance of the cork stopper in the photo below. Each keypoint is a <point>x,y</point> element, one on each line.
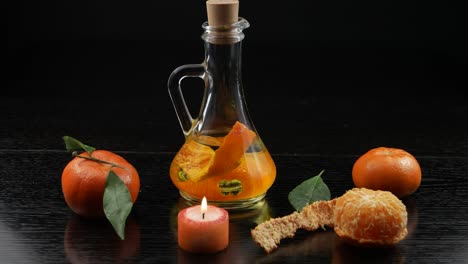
<point>222,12</point>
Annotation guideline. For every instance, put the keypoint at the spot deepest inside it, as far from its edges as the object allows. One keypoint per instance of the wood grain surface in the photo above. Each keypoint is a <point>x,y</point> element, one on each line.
<point>304,135</point>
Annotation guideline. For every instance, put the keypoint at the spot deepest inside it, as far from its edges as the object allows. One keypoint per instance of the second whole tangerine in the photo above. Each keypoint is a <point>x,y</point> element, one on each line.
<point>387,169</point>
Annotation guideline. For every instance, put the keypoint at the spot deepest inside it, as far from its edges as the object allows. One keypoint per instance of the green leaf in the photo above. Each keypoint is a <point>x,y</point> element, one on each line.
<point>117,203</point>
<point>309,191</point>
<point>73,144</point>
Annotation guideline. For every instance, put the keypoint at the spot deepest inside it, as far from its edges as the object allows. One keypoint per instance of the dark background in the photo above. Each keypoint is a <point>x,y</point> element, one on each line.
<point>361,68</point>
<point>298,47</point>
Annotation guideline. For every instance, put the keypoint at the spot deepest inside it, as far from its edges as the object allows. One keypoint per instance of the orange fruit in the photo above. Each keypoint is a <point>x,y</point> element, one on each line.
<point>194,160</point>
<point>233,147</point>
<point>256,173</point>
<point>199,161</point>
<point>229,172</point>
<point>370,217</point>
<point>387,169</point>
<point>84,181</point>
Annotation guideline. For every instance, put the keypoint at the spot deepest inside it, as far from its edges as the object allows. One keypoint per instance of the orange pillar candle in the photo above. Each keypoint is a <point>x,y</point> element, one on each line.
<point>203,228</point>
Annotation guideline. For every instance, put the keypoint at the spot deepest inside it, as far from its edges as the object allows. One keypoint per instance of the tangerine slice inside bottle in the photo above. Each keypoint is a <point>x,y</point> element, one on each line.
<point>232,171</point>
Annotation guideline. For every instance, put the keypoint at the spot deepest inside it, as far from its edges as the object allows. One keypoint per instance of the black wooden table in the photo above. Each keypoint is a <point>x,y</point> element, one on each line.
<point>305,134</point>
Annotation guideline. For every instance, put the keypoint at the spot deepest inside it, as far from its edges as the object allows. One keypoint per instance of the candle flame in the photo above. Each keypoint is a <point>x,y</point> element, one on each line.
<point>204,205</point>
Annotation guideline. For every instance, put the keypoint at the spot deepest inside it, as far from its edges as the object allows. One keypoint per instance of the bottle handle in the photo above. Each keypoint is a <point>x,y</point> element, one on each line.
<point>177,97</point>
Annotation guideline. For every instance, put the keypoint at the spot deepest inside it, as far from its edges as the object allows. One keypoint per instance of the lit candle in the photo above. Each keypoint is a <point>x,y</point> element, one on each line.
<point>203,228</point>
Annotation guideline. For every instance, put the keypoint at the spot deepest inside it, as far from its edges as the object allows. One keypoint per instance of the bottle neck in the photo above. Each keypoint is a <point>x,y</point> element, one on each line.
<point>223,50</point>
<point>223,103</point>
<point>223,65</point>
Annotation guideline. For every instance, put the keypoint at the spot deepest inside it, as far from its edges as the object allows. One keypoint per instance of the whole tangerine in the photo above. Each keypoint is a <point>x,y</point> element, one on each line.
<point>388,169</point>
<point>84,181</point>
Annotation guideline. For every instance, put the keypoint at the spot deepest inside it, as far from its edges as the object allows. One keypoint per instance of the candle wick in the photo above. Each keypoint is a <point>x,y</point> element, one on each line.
<point>203,215</point>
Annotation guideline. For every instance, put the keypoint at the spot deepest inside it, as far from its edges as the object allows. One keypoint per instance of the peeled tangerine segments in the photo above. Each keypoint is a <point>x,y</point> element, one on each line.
<point>198,161</point>
<point>372,218</point>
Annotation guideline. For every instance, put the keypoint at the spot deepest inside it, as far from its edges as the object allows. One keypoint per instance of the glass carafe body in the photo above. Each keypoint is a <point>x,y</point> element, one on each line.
<point>223,157</point>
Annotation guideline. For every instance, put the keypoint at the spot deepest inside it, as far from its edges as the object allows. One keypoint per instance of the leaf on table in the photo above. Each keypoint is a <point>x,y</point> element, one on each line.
<point>117,203</point>
<point>309,191</point>
<point>73,144</point>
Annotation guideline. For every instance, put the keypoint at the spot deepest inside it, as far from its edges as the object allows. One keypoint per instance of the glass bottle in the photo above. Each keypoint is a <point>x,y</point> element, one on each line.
<point>223,157</point>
